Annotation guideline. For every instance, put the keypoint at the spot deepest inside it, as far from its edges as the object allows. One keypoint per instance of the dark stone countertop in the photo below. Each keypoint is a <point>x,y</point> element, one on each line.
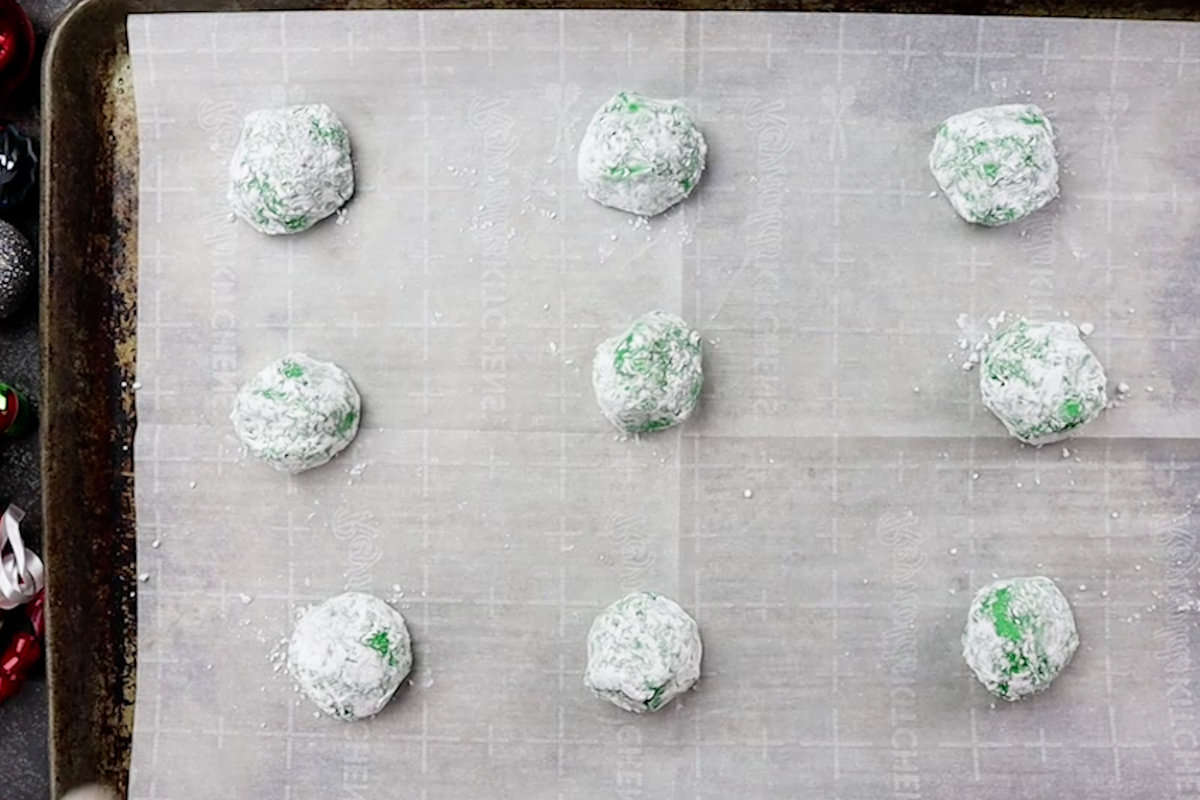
<point>24,765</point>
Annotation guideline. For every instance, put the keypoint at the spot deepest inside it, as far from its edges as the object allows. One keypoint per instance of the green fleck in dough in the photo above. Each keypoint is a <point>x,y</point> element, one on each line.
<point>1041,380</point>
<point>1020,634</point>
<point>347,424</point>
<point>997,606</point>
<point>291,168</point>
<point>380,644</point>
<point>641,155</point>
<point>297,413</point>
<point>649,377</point>
<point>643,652</point>
<point>996,164</point>
<point>349,654</point>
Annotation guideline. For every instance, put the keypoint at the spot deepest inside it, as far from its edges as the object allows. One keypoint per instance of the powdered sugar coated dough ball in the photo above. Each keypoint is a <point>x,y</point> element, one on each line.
<point>291,168</point>
<point>643,652</point>
<point>349,654</point>
<point>641,155</point>
<point>1020,635</point>
<point>297,413</point>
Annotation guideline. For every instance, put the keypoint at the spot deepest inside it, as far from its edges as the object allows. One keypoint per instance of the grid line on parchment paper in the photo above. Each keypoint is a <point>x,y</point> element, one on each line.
<point>214,52</point>
<point>837,153</point>
<point>1172,466</point>
<point>152,117</point>
<point>218,599</point>
<point>559,708</point>
<point>973,265</point>
<point>289,746</point>
<point>1182,60</point>
<point>157,189</point>
<point>150,50</point>
<point>426,393</point>
<point>697,568</point>
<point>1109,168</point>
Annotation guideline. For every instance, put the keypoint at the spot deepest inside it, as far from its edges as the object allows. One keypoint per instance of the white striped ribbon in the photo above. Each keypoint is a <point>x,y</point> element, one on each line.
<point>22,575</point>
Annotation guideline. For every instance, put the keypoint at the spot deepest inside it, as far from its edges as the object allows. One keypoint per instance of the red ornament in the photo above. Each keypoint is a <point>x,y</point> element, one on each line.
<point>15,413</point>
<point>24,651</point>
<point>16,46</point>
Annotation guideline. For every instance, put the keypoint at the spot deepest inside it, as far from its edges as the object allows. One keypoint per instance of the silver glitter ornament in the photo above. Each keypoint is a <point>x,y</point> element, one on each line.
<point>16,269</point>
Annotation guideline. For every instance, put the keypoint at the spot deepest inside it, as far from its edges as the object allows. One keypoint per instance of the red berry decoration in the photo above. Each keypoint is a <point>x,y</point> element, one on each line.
<point>24,651</point>
<point>16,46</point>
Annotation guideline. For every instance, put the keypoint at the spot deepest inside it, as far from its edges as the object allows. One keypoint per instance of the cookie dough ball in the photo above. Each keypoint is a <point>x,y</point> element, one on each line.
<point>297,413</point>
<point>1020,634</point>
<point>641,155</point>
<point>349,654</point>
<point>291,168</point>
<point>1041,381</point>
<point>996,164</point>
<point>649,377</point>
<point>643,652</point>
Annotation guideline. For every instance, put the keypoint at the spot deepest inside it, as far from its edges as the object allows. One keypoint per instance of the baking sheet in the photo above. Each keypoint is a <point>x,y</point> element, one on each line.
<point>465,289</point>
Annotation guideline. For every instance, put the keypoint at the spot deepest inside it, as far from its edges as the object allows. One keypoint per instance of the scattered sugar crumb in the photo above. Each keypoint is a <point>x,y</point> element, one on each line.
<point>1066,453</point>
<point>748,493</point>
<point>144,577</point>
<point>157,543</point>
<point>1122,388</point>
<point>1087,328</point>
<point>245,598</point>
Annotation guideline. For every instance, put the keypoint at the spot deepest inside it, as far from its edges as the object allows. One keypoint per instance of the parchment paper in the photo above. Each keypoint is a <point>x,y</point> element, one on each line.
<point>485,494</point>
